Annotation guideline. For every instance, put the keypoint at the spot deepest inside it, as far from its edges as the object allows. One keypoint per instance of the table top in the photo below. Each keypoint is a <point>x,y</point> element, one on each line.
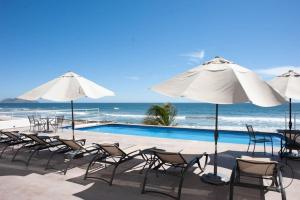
<point>287,131</point>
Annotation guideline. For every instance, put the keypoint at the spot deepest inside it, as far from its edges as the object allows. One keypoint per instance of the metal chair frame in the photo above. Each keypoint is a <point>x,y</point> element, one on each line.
<point>291,139</point>
<point>116,160</point>
<point>57,123</point>
<point>37,144</point>
<point>276,185</point>
<point>72,152</point>
<point>184,165</point>
<point>254,139</point>
<point>14,140</point>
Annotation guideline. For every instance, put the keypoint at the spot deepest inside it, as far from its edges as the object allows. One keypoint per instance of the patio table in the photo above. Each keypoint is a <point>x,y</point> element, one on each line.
<point>285,133</point>
<point>48,120</point>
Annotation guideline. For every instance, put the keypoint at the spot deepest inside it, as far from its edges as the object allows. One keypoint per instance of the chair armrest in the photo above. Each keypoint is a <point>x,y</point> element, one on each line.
<point>81,141</point>
<point>198,158</point>
<point>134,153</point>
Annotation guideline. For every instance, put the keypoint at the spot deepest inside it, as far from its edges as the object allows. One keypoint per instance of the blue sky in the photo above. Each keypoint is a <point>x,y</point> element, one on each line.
<point>128,46</point>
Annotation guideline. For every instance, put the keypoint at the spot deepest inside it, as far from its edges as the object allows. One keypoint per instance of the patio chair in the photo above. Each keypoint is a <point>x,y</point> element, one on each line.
<point>73,149</point>
<point>248,168</point>
<point>37,143</point>
<point>36,122</point>
<point>57,122</point>
<point>13,139</point>
<point>177,160</point>
<point>113,155</point>
<point>254,138</point>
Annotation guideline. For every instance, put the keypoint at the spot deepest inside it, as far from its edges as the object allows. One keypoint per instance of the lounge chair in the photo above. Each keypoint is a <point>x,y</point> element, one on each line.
<point>176,160</point>
<point>73,149</point>
<point>258,169</point>
<point>12,139</point>
<point>4,138</point>
<point>111,154</point>
<point>37,144</point>
<point>254,138</point>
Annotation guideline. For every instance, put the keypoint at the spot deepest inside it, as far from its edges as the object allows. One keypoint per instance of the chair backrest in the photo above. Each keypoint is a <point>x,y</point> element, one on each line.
<point>112,150</point>
<point>31,119</point>
<point>36,118</point>
<point>72,144</point>
<point>250,131</point>
<point>292,136</point>
<point>35,138</point>
<point>257,166</point>
<point>170,157</point>
<point>59,119</point>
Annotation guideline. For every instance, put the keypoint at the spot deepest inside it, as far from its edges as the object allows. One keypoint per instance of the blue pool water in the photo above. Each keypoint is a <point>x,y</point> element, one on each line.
<point>238,137</point>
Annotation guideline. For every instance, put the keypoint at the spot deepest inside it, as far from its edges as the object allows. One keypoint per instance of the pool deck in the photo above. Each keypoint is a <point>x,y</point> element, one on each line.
<point>35,183</point>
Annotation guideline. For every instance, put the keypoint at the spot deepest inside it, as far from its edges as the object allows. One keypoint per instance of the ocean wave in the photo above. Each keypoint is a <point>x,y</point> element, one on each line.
<point>235,128</point>
<point>252,119</point>
<point>137,116</point>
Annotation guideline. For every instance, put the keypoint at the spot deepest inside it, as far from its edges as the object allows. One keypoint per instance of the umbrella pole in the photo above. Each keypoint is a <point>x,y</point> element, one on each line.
<point>290,121</point>
<point>73,123</point>
<point>290,108</point>
<point>216,136</point>
<point>215,178</point>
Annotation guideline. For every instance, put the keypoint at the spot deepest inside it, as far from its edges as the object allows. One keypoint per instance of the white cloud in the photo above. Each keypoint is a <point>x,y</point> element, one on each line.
<point>275,71</point>
<point>134,78</point>
<point>195,57</point>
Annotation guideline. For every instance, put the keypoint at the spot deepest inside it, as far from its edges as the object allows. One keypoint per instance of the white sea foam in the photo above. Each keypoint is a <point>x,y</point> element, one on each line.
<point>125,115</point>
<point>252,119</point>
<point>137,116</point>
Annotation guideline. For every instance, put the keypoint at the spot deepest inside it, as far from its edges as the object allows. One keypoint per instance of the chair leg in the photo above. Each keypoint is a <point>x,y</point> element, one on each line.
<point>231,191</point>
<point>145,177</point>
<point>3,150</point>
<point>231,184</point>
<point>248,145</point>
<point>282,190</point>
<point>90,164</point>
<point>67,166</point>
<point>143,168</point>
<point>113,174</point>
<point>18,150</point>
<point>272,146</point>
<point>181,182</point>
<point>254,148</point>
<point>30,156</point>
<point>49,160</point>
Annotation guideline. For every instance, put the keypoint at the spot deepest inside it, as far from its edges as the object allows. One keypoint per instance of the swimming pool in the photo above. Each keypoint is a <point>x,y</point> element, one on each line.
<point>237,137</point>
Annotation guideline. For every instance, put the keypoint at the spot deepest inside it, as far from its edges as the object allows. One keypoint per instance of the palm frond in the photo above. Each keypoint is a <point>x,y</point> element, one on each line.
<point>161,115</point>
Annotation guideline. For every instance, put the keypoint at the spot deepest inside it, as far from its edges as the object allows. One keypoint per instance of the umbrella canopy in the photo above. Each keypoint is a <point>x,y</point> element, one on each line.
<point>287,85</point>
<point>67,87</point>
<point>220,81</point>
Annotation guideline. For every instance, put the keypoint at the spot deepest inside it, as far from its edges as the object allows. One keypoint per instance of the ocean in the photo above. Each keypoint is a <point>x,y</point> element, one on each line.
<point>201,115</point>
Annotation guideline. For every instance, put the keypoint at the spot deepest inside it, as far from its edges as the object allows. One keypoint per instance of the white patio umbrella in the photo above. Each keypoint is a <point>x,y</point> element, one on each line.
<point>288,85</point>
<point>220,81</point>
<point>68,87</point>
